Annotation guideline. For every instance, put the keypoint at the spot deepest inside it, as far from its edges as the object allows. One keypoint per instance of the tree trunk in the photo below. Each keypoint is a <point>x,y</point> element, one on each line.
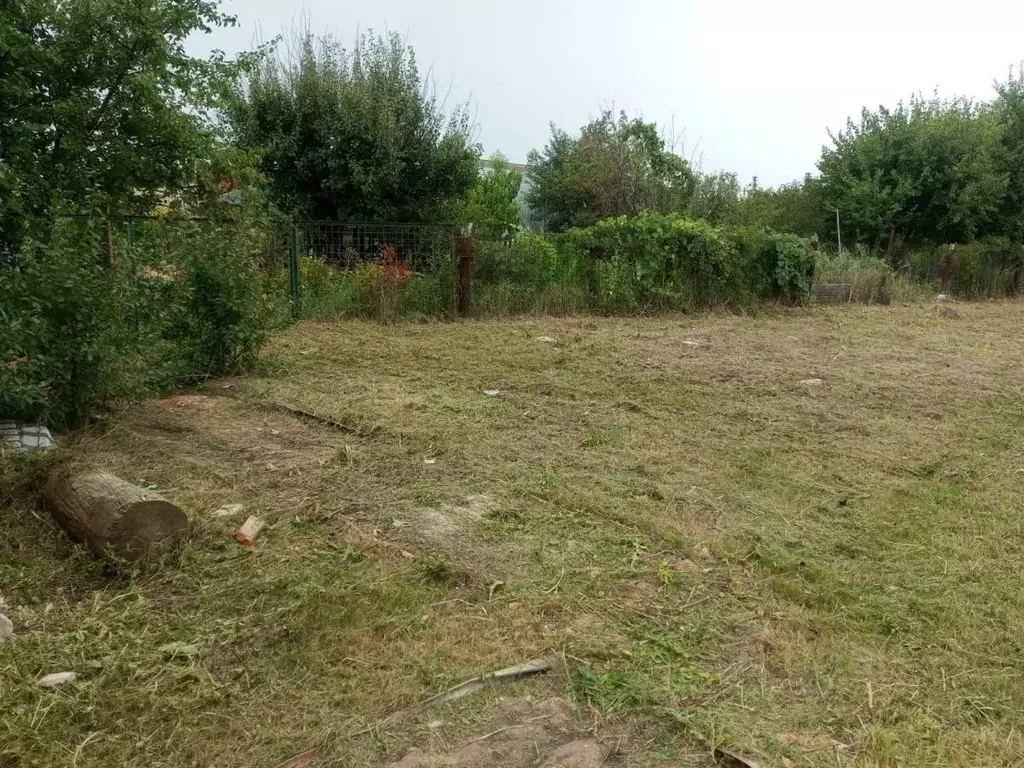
<point>116,519</point>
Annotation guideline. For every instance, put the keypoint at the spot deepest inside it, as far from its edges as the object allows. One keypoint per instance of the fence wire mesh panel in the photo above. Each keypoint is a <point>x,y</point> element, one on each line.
<point>423,248</point>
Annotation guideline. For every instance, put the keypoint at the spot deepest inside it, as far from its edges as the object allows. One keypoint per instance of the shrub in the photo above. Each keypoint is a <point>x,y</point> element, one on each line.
<point>528,275</point>
<point>225,312</point>
<point>653,261</point>
<point>870,278</point>
<point>91,316</point>
<point>665,261</point>
<point>68,341</point>
<point>779,265</point>
<point>794,265</point>
<point>989,268</point>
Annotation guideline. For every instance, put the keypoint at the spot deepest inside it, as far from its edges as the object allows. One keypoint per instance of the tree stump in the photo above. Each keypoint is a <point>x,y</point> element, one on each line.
<point>115,518</point>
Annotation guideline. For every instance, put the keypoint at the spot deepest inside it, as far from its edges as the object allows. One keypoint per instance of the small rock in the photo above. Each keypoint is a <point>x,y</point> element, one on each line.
<point>691,343</point>
<point>6,629</point>
<point>430,461</point>
<point>811,382</point>
<point>435,724</point>
<point>228,510</point>
<point>54,679</point>
<point>494,392</point>
<point>547,339</point>
<point>944,297</point>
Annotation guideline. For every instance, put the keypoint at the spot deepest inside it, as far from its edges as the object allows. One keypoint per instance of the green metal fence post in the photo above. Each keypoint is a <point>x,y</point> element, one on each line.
<point>293,271</point>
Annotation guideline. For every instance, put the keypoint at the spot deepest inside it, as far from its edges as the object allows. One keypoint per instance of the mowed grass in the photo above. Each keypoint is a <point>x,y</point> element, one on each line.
<point>797,533</point>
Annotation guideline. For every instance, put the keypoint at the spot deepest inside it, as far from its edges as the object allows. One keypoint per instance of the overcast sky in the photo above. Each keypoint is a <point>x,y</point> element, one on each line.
<point>754,84</point>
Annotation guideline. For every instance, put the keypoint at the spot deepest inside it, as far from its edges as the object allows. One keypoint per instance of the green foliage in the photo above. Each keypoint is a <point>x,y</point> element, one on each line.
<point>927,171</point>
<point>794,265</point>
<point>531,274</point>
<point>1009,111</point>
<point>67,340</point>
<point>179,300</point>
<point>332,293</point>
<point>797,207</point>
<point>492,205</point>
<point>102,102</point>
<point>773,264</point>
<point>990,268</point>
<point>663,261</point>
<point>716,198</point>
<point>225,314</point>
<point>651,261</point>
<point>354,135</point>
<point>616,166</point>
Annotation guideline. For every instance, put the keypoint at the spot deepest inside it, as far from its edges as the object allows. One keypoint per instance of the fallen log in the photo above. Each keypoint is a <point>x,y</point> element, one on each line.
<point>115,518</point>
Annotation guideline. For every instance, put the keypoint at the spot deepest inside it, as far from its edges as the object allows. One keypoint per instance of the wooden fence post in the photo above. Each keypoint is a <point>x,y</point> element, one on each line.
<point>464,251</point>
<point>293,271</point>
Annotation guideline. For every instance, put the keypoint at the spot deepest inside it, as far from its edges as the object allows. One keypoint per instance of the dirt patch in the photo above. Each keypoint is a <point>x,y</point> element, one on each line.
<point>453,518</point>
<point>528,734</point>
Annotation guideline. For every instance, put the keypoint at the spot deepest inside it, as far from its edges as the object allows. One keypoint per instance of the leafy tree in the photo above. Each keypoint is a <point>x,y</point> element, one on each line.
<point>716,197</point>
<point>927,171</point>
<point>1009,111</point>
<point>616,166</point>
<point>102,104</point>
<point>492,202</point>
<point>796,207</point>
<point>354,135</point>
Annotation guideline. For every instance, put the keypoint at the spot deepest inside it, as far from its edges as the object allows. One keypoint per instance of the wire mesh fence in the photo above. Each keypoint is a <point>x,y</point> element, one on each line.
<point>320,269</point>
<point>423,248</point>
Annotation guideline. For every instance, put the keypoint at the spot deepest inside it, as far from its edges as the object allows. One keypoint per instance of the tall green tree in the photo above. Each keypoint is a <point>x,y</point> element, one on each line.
<point>1008,109</point>
<point>354,135</point>
<point>101,104</point>
<point>796,207</point>
<point>716,198</point>
<point>927,171</point>
<point>492,204</point>
<point>615,166</point>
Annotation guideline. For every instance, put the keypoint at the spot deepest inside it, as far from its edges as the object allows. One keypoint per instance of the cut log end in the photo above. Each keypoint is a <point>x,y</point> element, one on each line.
<point>149,529</point>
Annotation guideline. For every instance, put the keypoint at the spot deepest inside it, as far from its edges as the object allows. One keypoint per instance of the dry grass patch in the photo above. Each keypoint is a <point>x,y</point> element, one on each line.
<point>798,533</point>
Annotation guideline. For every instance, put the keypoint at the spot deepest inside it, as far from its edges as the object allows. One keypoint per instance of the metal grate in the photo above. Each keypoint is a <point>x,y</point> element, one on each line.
<point>423,247</point>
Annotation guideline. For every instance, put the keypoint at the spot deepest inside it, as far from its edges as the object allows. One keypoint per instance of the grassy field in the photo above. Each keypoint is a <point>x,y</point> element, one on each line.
<point>798,533</point>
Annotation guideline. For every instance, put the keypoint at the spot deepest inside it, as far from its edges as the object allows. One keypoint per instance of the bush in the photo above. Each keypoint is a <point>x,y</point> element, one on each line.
<point>371,291</point>
<point>870,279</point>
<point>531,274</point>
<point>989,268</point>
<point>89,317</point>
<point>664,262</point>
<point>775,265</point>
<point>794,266</point>
<point>650,262</point>
<point>68,342</point>
<point>225,312</point>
